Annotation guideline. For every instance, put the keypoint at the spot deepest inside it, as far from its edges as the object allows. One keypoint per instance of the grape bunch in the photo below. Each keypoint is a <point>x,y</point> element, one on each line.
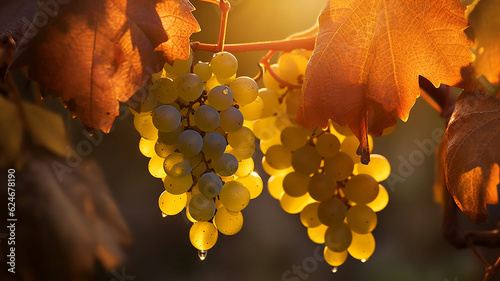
<point>317,173</point>
<point>193,128</point>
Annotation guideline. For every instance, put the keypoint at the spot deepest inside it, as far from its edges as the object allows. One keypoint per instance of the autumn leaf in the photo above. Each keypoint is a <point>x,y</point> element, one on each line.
<point>483,16</point>
<point>472,153</point>
<point>368,56</point>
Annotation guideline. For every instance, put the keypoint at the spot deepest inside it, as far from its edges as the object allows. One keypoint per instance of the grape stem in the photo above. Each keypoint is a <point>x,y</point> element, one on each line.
<point>224,7</point>
<point>279,45</point>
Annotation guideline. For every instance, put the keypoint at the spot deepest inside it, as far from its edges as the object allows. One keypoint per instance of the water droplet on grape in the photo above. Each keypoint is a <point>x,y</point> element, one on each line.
<point>164,215</point>
<point>335,269</point>
<point>363,260</point>
<point>202,255</point>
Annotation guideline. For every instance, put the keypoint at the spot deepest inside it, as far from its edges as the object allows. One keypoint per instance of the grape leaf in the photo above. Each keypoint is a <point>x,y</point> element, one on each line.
<point>472,153</point>
<point>483,16</point>
<point>368,55</point>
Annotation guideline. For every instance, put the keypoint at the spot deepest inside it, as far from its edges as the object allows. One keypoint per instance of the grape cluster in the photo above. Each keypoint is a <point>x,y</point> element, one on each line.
<point>193,128</point>
<point>317,173</point>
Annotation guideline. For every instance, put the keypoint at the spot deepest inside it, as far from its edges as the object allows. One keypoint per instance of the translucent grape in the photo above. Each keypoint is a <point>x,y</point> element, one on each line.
<point>149,103</point>
<point>253,110</point>
<point>244,89</point>
<point>179,67</point>
<point>147,147</point>
<point>177,165</point>
<point>294,205</point>
<point>226,165</point>
<point>362,246</point>
<point>214,145</point>
<point>234,196</point>
<point>309,215</point>
<point>171,204</point>
<point>279,157</point>
<point>155,167</point>
<point>220,97</point>
<point>339,167</point>
<point>362,219</point>
<point>332,212</point>
<point>292,67</point>
<point>190,87</point>
<point>164,150</point>
<point>292,101</point>
<point>271,83</point>
<point>177,185</point>
<point>271,102</point>
<point>334,258</point>
<point>343,130</point>
<point>228,222</point>
<point>350,146</point>
<point>266,144</point>
<point>306,160</point>
<point>361,189</point>
<point>327,145</point>
<point>317,234</point>
<point>253,182</point>
<point>242,139</point>
<point>338,238</point>
<point>190,143</point>
<point>165,90</point>
<point>380,201</point>
<point>226,81</point>
<point>211,83</point>
<point>245,167</point>
<point>143,124</point>
<point>321,187</point>
<point>274,172</point>
<point>224,64</point>
<point>379,168</point>
<point>166,118</point>
<point>210,185</point>
<point>203,70</point>
<point>294,138</point>
<point>295,184</point>
<point>203,235</point>
<point>201,208</point>
<point>231,119</point>
<point>206,118</point>
<point>275,186</point>
<point>263,130</point>
<point>170,137</point>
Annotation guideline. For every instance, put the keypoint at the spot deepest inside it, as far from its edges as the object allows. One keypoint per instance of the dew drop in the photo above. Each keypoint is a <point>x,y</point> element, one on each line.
<point>164,215</point>
<point>363,260</point>
<point>202,255</point>
<point>335,269</point>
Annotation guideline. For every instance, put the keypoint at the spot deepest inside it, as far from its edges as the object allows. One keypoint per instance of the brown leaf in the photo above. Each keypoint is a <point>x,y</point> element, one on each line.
<point>472,153</point>
<point>368,55</point>
<point>483,16</point>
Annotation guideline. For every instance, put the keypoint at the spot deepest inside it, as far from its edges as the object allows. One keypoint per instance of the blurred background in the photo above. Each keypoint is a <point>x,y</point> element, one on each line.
<point>272,243</point>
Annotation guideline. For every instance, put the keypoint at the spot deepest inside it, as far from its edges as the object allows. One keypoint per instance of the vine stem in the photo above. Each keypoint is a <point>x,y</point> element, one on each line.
<point>279,45</point>
<point>224,7</point>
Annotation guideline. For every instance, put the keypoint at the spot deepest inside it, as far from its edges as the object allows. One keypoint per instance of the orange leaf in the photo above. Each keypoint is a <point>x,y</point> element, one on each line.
<point>472,153</point>
<point>368,55</point>
<point>484,19</point>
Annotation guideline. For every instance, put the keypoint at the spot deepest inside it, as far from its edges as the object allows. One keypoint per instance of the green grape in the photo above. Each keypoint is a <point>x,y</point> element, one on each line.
<point>279,157</point>
<point>295,184</point>
<point>245,168</point>
<point>306,160</point>
<point>343,130</point>
<point>275,172</point>
<point>263,130</point>
<point>228,222</point>
<point>177,165</point>
<point>226,81</point>
<point>143,123</point>
<point>292,67</point>
<point>271,102</point>
<point>362,246</point>
<point>206,118</point>
<point>165,90</point>
<point>190,143</point>
<point>338,238</point>
<point>292,101</point>
<point>294,205</point>
<point>253,182</point>
<point>226,165</point>
<point>149,103</point>
<point>147,147</point>
<point>245,152</point>
<point>244,89</point>
<point>210,185</point>
<point>155,167</point>
<point>170,137</point>
<point>203,235</point>
<point>275,186</point>
<point>294,138</point>
<point>266,144</point>
<point>361,189</point>
<point>309,215</point>
<point>381,200</point>
<point>234,196</point>
<point>339,167</point>
<point>332,212</point>
<point>203,70</point>
<point>157,75</point>
<point>350,146</point>
<point>220,97</point>
<point>214,145</point>
<point>321,187</point>
<point>379,168</point>
<point>177,185</point>
<point>317,234</point>
<point>327,145</point>
<point>224,64</point>
<point>271,83</point>
<point>231,119</point>
<point>211,83</point>
<point>190,87</point>
<point>166,118</point>
<point>164,150</point>
<point>242,139</point>
<point>201,208</point>
<point>362,219</point>
<point>171,204</point>
<point>253,110</point>
<point>195,160</point>
<point>334,258</point>
<point>179,67</point>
